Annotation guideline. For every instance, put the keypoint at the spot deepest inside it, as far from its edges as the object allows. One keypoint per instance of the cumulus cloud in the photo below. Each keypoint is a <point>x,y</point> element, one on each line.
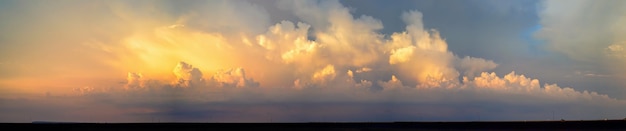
<point>332,22</point>
<point>394,83</point>
<point>233,78</point>
<point>472,66</point>
<point>134,80</point>
<point>324,75</point>
<point>187,75</point>
<point>421,55</point>
<point>511,80</point>
<point>327,55</point>
<point>333,49</point>
<point>285,32</point>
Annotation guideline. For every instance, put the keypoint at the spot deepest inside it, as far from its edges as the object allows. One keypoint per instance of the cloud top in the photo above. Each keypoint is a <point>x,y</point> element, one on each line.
<point>228,60</point>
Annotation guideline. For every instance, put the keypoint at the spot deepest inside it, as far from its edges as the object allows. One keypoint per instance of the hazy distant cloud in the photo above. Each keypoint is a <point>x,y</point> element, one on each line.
<point>84,90</point>
<point>472,66</point>
<point>591,26</point>
<point>512,90</point>
<point>134,80</point>
<point>227,17</point>
<point>591,74</point>
<point>582,29</point>
<point>616,50</point>
<point>394,83</point>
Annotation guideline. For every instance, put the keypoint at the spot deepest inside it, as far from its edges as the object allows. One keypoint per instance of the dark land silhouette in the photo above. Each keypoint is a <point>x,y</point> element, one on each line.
<point>315,126</point>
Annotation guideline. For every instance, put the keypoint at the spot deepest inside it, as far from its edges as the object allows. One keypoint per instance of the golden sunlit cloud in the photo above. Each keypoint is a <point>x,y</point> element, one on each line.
<point>231,52</point>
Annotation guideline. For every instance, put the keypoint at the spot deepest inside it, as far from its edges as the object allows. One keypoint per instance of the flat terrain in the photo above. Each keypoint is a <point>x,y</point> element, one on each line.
<point>399,126</point>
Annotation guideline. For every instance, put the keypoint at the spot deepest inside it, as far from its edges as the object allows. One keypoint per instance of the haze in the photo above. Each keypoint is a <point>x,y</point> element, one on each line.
<point>311,61</point>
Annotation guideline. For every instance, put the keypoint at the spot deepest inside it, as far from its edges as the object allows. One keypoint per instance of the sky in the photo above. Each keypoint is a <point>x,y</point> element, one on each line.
<point>312,61</point>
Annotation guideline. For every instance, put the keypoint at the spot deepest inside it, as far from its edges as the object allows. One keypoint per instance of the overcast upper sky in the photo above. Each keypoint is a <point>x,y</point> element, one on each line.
<point>309,61</point>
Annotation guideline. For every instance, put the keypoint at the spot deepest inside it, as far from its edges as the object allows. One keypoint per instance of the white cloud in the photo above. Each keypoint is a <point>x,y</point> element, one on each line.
<point>416,59</point>
<point>421,55</point>
<point>187,75</point>
<point>332,22</point>
<point>233,78</point>
<point>327,56</point>
<point>325,75</point>
<point>345,51</point>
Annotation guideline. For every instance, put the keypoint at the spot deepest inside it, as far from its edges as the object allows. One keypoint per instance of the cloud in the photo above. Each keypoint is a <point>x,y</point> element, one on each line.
<point>394,83</point>
<point>329,41</point>
<point>288,42</point>
<point>484,94</point>
<point>134,80</point>
<point>227,17</point>
<point>364,69</point>
<point>233,78</point>
<point>326,63</point>
<point>187,75</point>
<point>590,34</point>
<point>616,50</point>
<point>421,55</point>
<point>324,75</point>
<point>590,27</point>
<point>591,74</point>
<point>473,66</point>
<point>585,31</point>
<point>84,90</point>
<point>331,21</point>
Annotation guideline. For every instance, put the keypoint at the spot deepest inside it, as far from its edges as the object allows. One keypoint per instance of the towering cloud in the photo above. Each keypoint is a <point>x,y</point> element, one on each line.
<point>187,75</point>
<point>328,48</point>
<point>325,55</point>
<point>423,56</point>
